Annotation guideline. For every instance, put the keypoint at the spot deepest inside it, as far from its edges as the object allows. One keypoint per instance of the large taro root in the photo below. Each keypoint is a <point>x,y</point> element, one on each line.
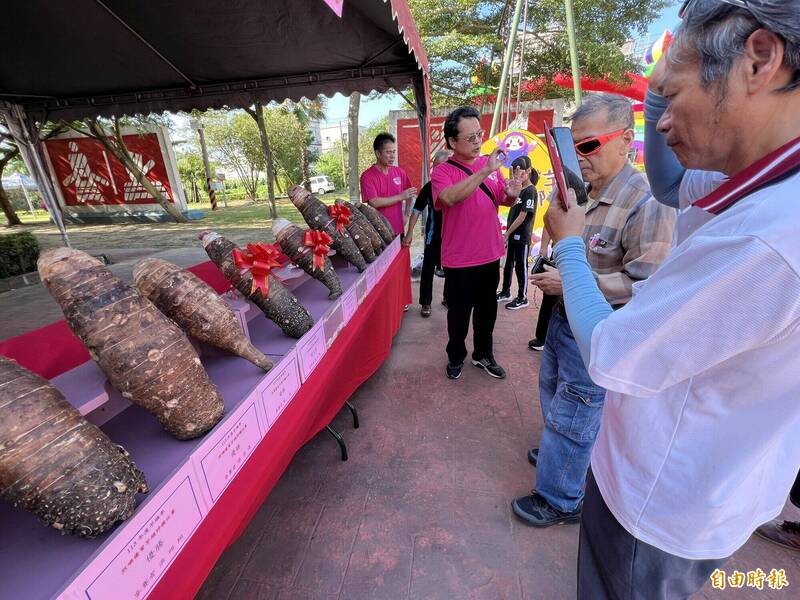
<point>378,221</point>
<point>144,354</point>
<point>292,240</point>
<point>57,465</point>
<point>195,307</point>
<point>362,240</point>
<point>378,245</point>
<point>280,305</point>
<point>316,215</point>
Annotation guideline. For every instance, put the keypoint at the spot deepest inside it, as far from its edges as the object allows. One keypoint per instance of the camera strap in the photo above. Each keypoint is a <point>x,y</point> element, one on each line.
<point>483,187</point>
<point>770,169</point>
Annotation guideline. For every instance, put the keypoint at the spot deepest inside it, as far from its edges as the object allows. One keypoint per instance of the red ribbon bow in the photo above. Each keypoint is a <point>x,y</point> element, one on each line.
<point>319,242</point>
<point>341,214</point>
<point>259,259</point>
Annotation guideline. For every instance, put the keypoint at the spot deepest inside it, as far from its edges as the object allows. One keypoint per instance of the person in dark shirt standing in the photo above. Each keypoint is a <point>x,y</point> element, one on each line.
<point>518,236</point>
<point>433,238</point>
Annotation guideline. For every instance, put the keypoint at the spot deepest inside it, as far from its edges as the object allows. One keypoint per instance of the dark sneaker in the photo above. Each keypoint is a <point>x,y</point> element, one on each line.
<point>439,272</point>
<point>536,344</point>
<point>454,371</point>
<point>533,456</point>
<point>516,304</point>
<point>491,367</point>
<point>502,296</point>
<point>425,311</point>
<point>783,533</point>
<point>534,510</point>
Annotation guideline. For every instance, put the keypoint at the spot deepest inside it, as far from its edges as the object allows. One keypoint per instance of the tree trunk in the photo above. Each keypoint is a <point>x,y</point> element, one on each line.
<point>306,168</point>
<point>118,149</point>
<point>258,114</point>
<point>8,210</point>
<point>5,202</point>
<point>352,134</point>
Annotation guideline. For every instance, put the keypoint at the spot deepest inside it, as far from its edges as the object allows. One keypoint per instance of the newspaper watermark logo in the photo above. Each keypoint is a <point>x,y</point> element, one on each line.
<point>757,579</point>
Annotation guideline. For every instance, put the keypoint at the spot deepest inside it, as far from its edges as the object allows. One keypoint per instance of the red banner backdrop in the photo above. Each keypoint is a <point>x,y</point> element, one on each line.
<point>409,148</point>
<point>87,174</point>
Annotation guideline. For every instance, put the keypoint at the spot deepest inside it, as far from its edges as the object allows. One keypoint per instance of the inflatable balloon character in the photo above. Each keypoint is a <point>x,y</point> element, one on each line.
<point>520,142</point>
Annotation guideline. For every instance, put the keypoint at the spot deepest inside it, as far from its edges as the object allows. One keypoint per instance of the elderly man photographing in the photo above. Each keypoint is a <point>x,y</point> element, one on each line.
<point>627,234</point>
<point>699,442</point>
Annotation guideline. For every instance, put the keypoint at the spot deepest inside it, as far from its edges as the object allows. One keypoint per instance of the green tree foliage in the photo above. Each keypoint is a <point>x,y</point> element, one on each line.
<point>233,140</point>
<point>458,33</point>
<point>287,138</point>
<point>193,175</point>
<point>330,163</point>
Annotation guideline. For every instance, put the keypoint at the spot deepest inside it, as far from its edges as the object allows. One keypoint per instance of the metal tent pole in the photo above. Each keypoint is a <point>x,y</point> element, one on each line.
<point>573,52</point>
<point>24,130</point>
<point>512,38</point>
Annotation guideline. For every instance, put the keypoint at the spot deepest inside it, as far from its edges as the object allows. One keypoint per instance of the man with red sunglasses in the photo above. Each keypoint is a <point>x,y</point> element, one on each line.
<point>627,233</point>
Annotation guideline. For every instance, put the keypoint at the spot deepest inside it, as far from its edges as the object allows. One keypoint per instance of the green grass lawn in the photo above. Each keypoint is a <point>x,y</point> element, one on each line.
<point>238,213</point>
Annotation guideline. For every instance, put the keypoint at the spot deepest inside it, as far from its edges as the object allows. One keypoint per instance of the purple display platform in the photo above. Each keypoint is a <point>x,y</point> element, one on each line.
<point>37,562</point>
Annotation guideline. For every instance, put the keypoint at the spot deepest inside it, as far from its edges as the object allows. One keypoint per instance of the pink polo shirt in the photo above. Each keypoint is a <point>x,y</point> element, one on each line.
<point>377,184</point>
<point>470,230</point>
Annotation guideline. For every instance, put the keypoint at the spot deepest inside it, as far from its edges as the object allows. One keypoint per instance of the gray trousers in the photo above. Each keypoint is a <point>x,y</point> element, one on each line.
<point>612,564</point>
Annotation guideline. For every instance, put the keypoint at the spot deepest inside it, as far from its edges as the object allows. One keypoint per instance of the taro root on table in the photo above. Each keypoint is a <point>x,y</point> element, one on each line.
<point>316,215</point>
<point>57,465</point>
<point>378,244</point>
<point>279,305</point>
<point>362,240</point>
<point>292,242</point>
<point>144,354</point>
<point>378,221</point>
<point>195,307</point>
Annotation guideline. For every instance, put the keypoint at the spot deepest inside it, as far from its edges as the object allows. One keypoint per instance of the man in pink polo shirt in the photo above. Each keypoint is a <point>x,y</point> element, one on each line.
<point>468,189</point>
<point>385,186</point>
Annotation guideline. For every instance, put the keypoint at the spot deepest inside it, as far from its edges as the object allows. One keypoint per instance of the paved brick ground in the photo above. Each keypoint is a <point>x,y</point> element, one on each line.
<point>421,509</point>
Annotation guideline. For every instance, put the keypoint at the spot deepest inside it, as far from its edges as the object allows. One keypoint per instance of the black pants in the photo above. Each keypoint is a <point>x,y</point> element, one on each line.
<point>545,312</point>
<point>431,259</point>
<point>517,260</point>
<point>471,291</point>
<point>612,564</point>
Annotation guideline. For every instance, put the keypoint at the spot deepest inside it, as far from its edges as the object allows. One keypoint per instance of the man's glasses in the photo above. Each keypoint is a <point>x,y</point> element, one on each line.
<point>592,145</point>
<point>740,3</point>
<point>473,137</point>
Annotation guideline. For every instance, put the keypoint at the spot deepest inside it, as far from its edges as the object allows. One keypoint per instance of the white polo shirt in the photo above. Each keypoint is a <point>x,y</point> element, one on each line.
<point>694,185</point>
<point>700,435</point>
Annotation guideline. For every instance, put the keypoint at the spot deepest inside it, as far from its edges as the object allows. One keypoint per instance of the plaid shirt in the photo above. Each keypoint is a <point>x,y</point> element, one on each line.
<point>628,234</point>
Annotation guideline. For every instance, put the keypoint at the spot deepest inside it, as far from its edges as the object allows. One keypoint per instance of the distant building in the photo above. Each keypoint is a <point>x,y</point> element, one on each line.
<point>325,136</point>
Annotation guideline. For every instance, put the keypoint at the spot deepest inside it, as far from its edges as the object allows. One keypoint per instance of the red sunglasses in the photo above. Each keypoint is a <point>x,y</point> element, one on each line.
<point>592,145</point>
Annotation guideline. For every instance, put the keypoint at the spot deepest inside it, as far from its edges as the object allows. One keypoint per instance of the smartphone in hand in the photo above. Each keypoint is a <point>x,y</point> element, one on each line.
<point>566,169</point>
<point>539,264</point>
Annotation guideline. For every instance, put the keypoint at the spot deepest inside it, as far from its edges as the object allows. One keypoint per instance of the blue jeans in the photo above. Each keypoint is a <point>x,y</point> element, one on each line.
<point>571,408</point>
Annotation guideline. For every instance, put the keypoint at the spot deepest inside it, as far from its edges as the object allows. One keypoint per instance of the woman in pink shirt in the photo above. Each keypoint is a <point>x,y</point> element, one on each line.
<point>468,189</point>
<point>384,186</point>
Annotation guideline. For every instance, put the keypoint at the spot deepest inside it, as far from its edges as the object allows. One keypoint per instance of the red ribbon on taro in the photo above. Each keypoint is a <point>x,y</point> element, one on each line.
<point>319,242</point>
<point>341,214</point>
<point>259,259</point>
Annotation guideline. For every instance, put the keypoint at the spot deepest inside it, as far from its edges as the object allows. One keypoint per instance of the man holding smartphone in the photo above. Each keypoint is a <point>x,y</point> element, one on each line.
<point>627,234</point>
<point>468,188</point>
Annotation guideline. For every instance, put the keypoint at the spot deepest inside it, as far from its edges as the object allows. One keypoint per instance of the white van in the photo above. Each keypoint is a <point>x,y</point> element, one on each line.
<point>321,184</point>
